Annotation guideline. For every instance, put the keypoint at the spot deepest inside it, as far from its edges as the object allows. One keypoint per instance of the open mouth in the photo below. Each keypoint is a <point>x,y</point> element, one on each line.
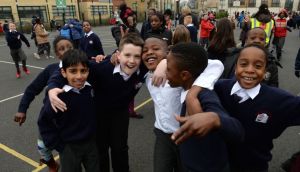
<point>150,60</point>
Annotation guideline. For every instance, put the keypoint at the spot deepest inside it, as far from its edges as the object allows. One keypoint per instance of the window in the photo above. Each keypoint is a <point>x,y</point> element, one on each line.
<point>70,11</point>
<point>26,12</point>
<point>5,13</point>
<point>111,10</point>
<point>230,3</point>
<point>99,9</point>
<point>299,6</point>
<point>242,2</point>
<point>264,2</point>
<point>275,3</point>
<point>289,5</point>
<point>252,3</point>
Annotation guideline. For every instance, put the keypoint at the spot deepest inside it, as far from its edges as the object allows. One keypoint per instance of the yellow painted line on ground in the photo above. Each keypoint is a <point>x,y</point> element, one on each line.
<point>44,165</point>
<point>18,155</point>
<point>39,168</point>
<point>143,104</point>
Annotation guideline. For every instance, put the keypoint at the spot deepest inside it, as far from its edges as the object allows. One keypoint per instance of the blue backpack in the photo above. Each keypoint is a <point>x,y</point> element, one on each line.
<point>66,32</point>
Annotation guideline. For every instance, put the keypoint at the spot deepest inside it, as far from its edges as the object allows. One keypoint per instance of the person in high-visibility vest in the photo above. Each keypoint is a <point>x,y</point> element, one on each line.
<point>263,19</point>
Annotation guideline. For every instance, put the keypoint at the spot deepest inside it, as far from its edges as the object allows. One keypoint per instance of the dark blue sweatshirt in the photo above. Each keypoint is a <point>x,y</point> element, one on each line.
<point>112,92</point>
<point>14,40</point>
<point>76,124</point>
<point>37,86</point>
<point>91,45</point>
<point>282,110</point>
<point>209,153</point>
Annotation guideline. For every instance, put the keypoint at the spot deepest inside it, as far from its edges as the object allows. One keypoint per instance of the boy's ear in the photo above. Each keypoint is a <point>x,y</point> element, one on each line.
<point>118,55</point>
<point>185,75</point>
<point>63,72</point>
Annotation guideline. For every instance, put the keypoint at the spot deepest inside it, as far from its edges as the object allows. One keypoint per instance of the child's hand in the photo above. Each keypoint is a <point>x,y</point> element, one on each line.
<point>159,76</point>
<point>56,103</point>
<point>199,125</point>
<point>99,58</point>
<point>124,32</point>
<point>114,59</point>
<point>20,117</point>
<point>193,105</point>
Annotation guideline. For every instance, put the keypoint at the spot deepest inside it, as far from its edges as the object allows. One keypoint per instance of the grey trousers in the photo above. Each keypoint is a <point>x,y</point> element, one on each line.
<point>75,154</point>
<point>166,153</point>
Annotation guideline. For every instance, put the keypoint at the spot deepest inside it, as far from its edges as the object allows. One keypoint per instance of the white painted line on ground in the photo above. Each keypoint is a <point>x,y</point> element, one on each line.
<point>1,101</point>
<point>36,67</point>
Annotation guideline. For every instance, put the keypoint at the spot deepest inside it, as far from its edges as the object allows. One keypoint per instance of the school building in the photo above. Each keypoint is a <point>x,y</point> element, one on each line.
<point>96,11</point>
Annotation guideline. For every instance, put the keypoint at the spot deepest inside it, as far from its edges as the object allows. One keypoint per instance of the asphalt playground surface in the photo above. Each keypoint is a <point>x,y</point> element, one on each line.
<point>18,150</point>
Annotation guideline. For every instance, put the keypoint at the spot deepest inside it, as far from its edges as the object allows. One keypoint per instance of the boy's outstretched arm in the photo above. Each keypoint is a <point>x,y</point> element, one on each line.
<point>196,125</point>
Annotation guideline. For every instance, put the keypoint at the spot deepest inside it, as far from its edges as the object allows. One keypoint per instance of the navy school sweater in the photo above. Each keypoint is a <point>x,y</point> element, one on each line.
<point>37,86</point>
<point>14,40</point>
<point>209,153</point>
<point>112,92</point>
<point>76,124</point>
<point>91,45</point>
<point>279,107</point>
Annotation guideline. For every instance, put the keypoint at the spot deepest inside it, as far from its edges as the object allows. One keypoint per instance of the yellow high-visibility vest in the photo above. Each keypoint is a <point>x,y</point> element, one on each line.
<point>267,27</point>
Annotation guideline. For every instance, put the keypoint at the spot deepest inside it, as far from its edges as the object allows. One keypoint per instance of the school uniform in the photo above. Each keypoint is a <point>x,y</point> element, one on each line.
<point>91,45</point>
<point>72,133</point>
<point>166,152</point>
<point>114,90</point>
<point>14,41</point>
<point>265,112</point>
<point>193,32</point>
<point>209,153</point>
<point>36,86</point>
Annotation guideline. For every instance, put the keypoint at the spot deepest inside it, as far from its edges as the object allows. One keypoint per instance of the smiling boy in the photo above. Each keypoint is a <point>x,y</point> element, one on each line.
<point>72,133</point>
<point>115,87</point>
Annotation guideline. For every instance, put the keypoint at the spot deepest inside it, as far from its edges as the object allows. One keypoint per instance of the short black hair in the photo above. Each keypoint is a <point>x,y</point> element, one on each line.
<point>57,39</point>
<point>191,57</point>
<point>74,57</point>
<point>265,51</point>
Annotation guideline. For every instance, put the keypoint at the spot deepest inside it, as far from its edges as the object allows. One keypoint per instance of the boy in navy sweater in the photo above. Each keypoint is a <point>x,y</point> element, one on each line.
<point>265,112</point>
<point>60,45</point>
<point>72,132</point>
<point>90,43</point>
<point>14,41</point>
<point>185,62</point>
<point>115,87</point>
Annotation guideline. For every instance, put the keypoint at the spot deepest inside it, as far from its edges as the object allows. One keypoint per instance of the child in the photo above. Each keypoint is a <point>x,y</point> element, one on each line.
<point>60,45</point>
<point>181,34</point>
<point>185,62</point>
<point>169,23</point>
<point>72,132</point>
<point>258,36</point>
<point>188,22</point>
<point>90,43</point>
<point>158,28</point>
<point>115,87</point>
<point>166,155</point>
<point>14,41</point>
<point>265,112</point>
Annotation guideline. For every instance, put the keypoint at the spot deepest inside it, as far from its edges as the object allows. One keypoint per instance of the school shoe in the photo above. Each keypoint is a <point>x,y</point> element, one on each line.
<point>26,70</point>
<point>52,164</point>
<point>36,56</point>
<point>18,75</point>
<point>136,115</point>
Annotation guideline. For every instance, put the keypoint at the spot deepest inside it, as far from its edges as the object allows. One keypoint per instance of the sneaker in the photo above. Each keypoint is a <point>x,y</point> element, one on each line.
<point>26,71</point>
<point>51,57</point>
<point>18,75</point>
<point>136,115</point>
<point>36,56</point>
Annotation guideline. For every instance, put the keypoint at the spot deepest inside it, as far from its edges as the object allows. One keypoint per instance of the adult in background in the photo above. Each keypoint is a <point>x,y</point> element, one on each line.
<point>42,38</point>
<point>185,11</point>
<point>76,31</point>
<point>263,19</point>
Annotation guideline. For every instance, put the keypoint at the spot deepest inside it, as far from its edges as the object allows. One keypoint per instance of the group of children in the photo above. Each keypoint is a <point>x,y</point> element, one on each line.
<point>216,129</point>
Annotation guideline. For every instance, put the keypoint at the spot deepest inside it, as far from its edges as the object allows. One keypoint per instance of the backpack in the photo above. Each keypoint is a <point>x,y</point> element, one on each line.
<point>66,32</point>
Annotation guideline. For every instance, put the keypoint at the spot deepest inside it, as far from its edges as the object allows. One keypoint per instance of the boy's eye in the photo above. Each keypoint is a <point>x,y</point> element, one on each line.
<point>84,71</point>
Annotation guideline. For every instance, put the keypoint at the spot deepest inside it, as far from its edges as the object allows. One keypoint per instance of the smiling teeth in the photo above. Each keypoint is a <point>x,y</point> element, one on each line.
<point>247,78</point>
